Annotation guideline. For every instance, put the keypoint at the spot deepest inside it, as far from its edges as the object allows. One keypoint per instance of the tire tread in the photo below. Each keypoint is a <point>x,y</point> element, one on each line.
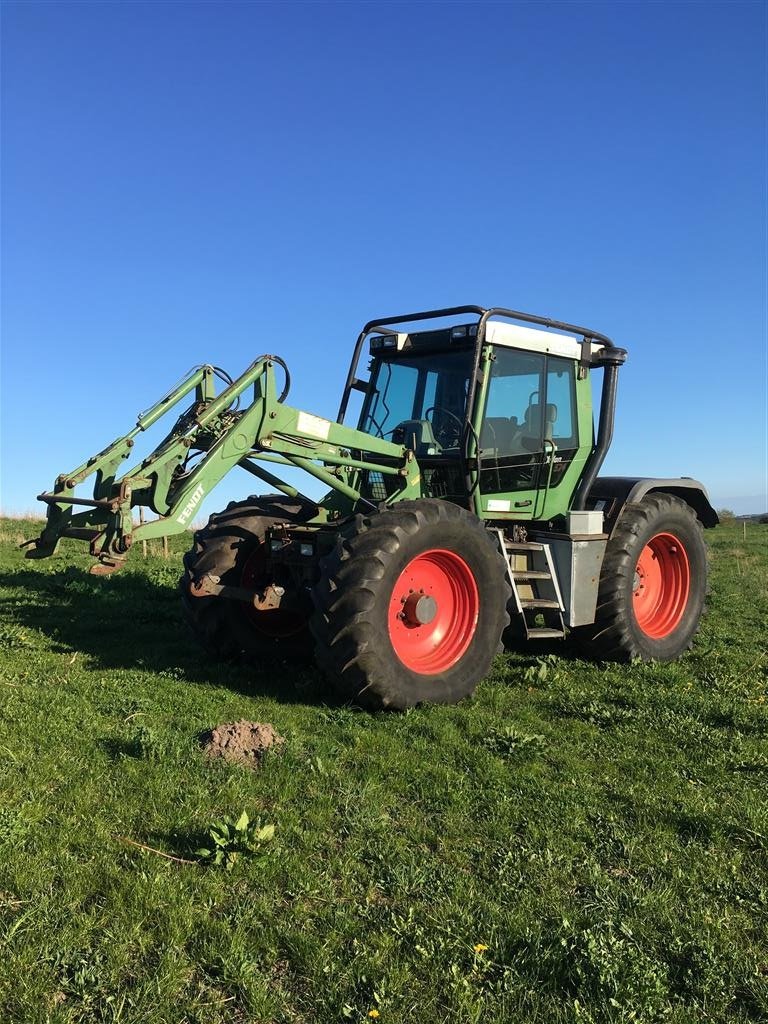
<point>611,637</point>
<point>348,646</point>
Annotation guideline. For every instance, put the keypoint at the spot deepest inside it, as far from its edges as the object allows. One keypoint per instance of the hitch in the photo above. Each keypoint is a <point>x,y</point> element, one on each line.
<point>269,598</point>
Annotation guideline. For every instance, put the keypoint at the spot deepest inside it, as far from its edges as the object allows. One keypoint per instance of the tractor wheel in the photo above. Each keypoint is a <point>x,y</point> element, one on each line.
<point>410,606</point>
<point>652,585</point>
<point>231,547</point>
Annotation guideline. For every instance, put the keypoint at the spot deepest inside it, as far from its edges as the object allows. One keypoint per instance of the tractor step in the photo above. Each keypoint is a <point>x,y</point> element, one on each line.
<point>535,589</point>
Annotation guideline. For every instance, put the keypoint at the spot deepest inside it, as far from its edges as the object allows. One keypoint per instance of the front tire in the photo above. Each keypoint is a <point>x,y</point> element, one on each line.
<point>653,583</point>
<point>231,546</point>
<point>410,606</point>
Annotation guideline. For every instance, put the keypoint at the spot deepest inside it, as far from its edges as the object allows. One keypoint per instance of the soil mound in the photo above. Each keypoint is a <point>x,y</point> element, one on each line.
<point>243,742</point>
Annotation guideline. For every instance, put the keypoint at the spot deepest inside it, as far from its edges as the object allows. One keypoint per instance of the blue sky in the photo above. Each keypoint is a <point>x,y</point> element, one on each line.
<point>194,182</point>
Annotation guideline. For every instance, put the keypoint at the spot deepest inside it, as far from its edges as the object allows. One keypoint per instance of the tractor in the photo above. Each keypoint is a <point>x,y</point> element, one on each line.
<point>462,515</point>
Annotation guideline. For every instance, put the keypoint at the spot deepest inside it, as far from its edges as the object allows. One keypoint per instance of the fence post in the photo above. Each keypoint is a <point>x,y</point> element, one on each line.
<point>141,521</point>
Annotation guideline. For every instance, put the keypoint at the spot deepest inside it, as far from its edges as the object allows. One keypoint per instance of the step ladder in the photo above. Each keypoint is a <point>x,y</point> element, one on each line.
<point>535,590</point>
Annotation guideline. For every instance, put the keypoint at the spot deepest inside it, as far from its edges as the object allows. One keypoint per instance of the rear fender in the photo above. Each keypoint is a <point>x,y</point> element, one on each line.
<point>611,493</point>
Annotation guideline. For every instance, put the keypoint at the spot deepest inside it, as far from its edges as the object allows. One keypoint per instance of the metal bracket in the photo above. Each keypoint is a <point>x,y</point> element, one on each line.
<point>585,358</point>
<point>211,586</point>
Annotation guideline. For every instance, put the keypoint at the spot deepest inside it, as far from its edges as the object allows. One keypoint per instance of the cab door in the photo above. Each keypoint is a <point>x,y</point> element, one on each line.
<point>528,436</point>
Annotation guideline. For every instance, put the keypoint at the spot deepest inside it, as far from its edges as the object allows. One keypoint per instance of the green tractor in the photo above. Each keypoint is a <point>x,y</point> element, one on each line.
<point>463,513</point>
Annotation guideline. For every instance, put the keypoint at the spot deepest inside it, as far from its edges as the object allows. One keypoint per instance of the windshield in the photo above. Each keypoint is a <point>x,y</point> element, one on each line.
<point>429,388</point>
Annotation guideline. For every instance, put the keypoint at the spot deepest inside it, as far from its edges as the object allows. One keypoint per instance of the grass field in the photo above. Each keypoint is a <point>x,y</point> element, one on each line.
<point>579,842</point>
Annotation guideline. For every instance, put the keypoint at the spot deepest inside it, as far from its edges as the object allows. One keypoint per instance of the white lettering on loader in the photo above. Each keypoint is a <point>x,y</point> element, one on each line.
<point>189,508</point>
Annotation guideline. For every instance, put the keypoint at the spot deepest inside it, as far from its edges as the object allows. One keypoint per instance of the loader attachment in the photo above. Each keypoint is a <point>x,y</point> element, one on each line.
<point>209,438</point>
<point>106,520</point>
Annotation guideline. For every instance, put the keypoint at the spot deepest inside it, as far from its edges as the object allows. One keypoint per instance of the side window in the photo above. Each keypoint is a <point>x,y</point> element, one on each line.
<point>531,400</point>
<point>561,413</point>
<point>430,392</point>
<point>392,401</point>
<point>513,421</point>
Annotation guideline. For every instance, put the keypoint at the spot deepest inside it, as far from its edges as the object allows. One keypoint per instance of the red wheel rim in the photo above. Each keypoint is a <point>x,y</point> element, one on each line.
<point>437,586</point>
<point>277,623</point>
<point>661,586</point>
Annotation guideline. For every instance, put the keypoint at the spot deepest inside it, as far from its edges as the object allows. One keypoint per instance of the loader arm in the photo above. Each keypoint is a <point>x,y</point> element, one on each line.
<point>222,436</point>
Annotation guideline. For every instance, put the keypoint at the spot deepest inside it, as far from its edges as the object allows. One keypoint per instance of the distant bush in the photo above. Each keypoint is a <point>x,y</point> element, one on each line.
<point>724,514</point>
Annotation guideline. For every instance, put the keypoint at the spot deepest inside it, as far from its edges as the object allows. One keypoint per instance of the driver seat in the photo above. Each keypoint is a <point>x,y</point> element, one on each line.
<point>533,417</point>
<point>497,433</point>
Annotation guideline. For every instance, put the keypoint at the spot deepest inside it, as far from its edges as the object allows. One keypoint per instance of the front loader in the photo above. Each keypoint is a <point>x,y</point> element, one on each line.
<point>465,510</point>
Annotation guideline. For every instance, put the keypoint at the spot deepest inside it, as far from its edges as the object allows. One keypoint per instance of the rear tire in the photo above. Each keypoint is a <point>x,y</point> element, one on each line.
<point>410,606</point>
<point>230,546</point>
<point>653,583</point>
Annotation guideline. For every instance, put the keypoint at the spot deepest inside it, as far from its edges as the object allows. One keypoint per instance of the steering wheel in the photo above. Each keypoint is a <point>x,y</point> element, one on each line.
<point>448,434</point>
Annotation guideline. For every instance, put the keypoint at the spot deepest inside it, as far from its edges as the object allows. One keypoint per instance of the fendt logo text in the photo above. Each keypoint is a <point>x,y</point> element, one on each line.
<point>191,505</point>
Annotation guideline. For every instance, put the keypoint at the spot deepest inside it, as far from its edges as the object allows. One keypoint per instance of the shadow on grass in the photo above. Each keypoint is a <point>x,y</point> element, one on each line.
<point>131,622</point>
<point>180,844</point>
<point>174,844</point>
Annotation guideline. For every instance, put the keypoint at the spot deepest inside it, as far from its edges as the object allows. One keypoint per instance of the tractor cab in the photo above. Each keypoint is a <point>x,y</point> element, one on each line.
<point>497,411</point>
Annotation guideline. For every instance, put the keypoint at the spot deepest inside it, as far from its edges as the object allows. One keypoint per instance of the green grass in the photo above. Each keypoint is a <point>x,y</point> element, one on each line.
<point>579,842</point>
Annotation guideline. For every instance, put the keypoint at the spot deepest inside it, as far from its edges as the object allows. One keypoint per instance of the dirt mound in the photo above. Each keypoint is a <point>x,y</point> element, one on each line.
<point>243,742</point>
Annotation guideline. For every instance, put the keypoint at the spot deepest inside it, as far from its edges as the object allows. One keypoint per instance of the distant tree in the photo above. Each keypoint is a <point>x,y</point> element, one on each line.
<point>763,519</point>
<point>725,513</point>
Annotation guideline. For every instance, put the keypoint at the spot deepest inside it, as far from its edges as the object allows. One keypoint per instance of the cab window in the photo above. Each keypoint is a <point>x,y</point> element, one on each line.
<point>513,421</point>
<point>531,402</point>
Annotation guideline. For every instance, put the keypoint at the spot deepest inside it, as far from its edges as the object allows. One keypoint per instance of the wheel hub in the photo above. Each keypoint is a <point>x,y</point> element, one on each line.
<point>419,609</point>
<point>661,586</point>
<point>433,611</point>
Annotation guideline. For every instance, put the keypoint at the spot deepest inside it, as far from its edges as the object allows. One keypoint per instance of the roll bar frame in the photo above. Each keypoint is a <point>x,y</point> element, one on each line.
<point>610,358</point>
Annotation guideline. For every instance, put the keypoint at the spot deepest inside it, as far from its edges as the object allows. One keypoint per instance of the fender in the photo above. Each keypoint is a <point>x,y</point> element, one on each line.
<point>612,493</point>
